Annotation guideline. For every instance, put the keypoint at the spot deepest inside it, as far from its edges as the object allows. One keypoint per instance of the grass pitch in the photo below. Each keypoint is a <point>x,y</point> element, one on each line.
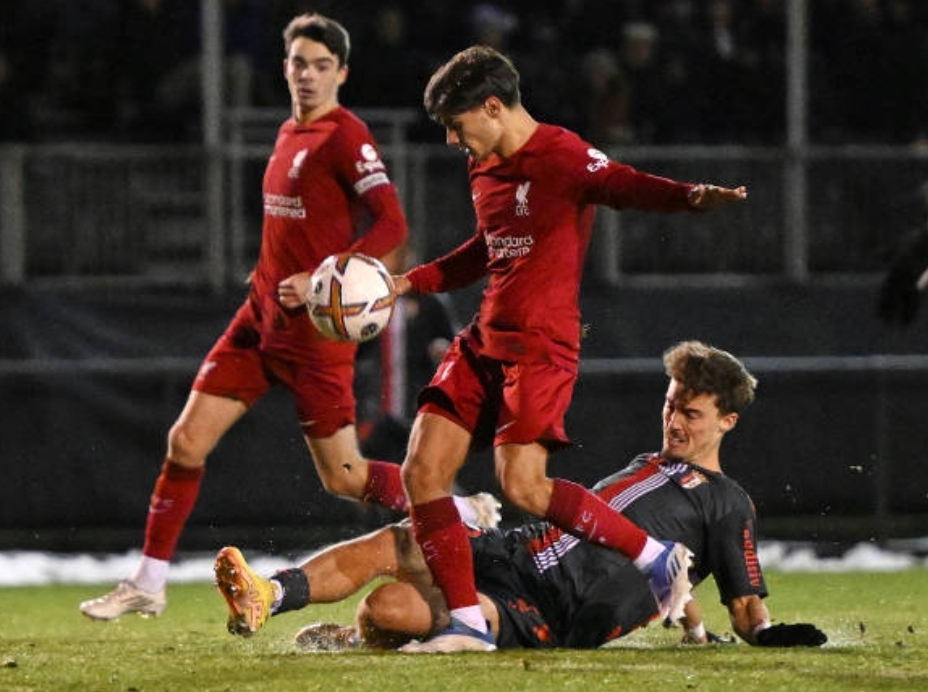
<point>877,624</point>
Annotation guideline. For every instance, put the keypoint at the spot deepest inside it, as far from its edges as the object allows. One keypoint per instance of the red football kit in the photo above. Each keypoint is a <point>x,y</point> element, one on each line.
<point>325,190</point>
<point>509,375</point>
<point>534,220</point>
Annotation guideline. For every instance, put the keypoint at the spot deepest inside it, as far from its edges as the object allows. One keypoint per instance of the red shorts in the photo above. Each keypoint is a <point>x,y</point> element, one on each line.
<point>320,382</point>
<point>500,402</point>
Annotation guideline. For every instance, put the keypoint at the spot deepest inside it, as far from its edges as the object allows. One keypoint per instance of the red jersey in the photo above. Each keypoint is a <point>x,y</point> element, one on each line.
<point>534,219</point>
<point>326,190</point>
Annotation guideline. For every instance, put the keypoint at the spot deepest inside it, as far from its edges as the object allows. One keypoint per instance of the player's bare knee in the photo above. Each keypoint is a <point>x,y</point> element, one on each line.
<point>381,608</point>
<point>386,613</point>
<point>526,496</point>
<point>410,469</point>
<point>520,500</point>
<point>368,629</point>
<point>338,485</point>
<point>183,448</point>
<point>421,477</point>
<point>343,475</point>
<point>373,634</point>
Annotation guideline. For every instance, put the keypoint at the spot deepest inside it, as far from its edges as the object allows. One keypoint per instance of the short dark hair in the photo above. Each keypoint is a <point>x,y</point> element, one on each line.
<point>468,79</point>
<point>703,369</point>
<point>321,29</point>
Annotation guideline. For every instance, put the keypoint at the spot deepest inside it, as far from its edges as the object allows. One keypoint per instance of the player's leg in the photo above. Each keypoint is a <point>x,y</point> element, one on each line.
<point>397,614</point>
<point>325,403</point>
<point>521,470</point>
<point>398,611</point>
<point>202,423</point>
<point>438,447</point>
<point>527,420</point>
<point>328,576</point>
<point>391,615</point>
<point>344,472</point>
<point>229,381</point>
<point>575,509</point>
<point>205,419</point>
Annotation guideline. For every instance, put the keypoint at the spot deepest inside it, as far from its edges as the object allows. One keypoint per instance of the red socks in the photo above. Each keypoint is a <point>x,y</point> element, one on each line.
<point>172,502</point>
<point>446,546</point>
<point>385,486</point>
<point>584,514</point>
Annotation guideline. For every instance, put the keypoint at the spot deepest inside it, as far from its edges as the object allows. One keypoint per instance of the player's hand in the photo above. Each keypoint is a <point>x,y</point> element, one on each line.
<point>900,292</point>
<point>401,284</point>
<point>705,197</point>
<point>800,634</point>
<point>293,291</point>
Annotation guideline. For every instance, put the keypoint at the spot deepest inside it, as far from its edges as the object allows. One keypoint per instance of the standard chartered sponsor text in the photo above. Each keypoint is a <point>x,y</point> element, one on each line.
<point>284,205</point>
<point>510,246</point>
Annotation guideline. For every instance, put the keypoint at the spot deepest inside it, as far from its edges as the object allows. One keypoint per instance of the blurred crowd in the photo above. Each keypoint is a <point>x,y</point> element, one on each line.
<point>617,71</point>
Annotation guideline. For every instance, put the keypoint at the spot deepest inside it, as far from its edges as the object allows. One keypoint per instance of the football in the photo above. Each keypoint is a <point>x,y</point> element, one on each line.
<point>351,297</point>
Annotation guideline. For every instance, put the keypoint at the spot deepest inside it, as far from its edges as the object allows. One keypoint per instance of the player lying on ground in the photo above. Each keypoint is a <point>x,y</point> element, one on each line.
<point>542,587</point>
<point>508,377</point>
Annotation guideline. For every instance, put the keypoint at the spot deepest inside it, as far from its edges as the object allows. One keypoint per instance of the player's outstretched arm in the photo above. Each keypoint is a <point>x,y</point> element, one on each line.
<point>705,197</point>
<point>751,622</point>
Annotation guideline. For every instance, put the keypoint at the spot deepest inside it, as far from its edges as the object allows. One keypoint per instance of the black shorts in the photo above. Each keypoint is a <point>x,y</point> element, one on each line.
<point>503,575</point>
<point>585,597</point>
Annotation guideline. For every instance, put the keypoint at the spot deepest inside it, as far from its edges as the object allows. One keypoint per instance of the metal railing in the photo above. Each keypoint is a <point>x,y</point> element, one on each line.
<point>91,213</point>
<point>852,480</point>
<point>87,214</point>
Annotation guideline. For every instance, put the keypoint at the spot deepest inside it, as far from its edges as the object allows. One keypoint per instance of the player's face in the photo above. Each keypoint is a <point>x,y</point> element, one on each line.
<point>694,427</point>
<point>475,131</point>
<point>313,77</point>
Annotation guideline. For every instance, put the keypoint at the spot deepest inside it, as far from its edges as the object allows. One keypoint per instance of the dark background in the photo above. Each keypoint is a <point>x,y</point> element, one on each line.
<point>827,455</point>
<point>91,377</point>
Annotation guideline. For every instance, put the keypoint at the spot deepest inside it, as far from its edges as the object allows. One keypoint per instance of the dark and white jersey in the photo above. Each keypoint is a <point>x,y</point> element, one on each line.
<point>708,512</point>
<point>534,211</point>
<point>554,589</point>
